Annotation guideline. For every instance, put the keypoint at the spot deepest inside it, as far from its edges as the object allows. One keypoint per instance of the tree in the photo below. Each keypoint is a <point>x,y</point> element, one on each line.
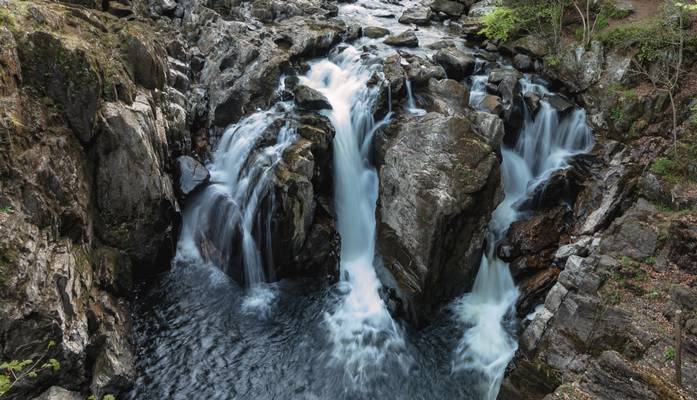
<point>589,19</point>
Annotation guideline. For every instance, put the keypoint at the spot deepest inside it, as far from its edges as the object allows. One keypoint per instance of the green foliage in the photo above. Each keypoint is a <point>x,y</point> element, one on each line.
<point>669,354</point>
<point>14,371</point>
<point>650,260</point>
<point>7,19</point>
<point>649,38</point>
<point>617,113</point>
<point>500,24</point>
<point>105,397</point>
<point>678,165</point>
<point>6,210</point>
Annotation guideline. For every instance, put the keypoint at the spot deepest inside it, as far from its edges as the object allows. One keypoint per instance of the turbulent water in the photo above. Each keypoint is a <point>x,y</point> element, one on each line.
<point>201,335</point>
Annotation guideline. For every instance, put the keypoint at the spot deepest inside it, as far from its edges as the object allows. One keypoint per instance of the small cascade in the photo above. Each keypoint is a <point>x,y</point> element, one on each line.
<point>411,104</point>
<point>221,225</point>
<point>362,331</point>
<point>545,144</point>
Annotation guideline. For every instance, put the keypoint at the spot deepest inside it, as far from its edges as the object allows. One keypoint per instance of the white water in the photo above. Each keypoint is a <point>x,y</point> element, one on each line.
<point>411,104</point>
<point>361,328</point>
<point>218,223</point>
<point>544,146</point>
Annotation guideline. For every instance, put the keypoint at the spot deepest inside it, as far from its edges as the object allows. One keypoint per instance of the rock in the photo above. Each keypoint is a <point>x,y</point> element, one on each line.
<point>531,45</point>
<point>58,393</point>
<point>623,8</point>
<point>523,62</point>
<point>191,175</point>
<point>310,99</point>
<point>482,8</point>
<point>532,101</point>
<point>134,194</point>
<point>119,10</point>
<point>447,96</point>
<point>416,15</point>
<point>611,377</point>
<point>633,235</point>
<point>405,39</point>
<point>579,68</point>
<point>532,236</point>
<point>561,104</point>
<point>67,76</point>
<point>682,243</point>
<point>375,32</point>
<point>533,289</point>
<point>421,71</point>
<point>448,7</point>
<point>437,173</point>
<point>145,61</point>
<point>492,104</point>
<point>498,75</point>
<point>457,64</point>
<point>578,276</point>
<point>579,247</point>
<point>490,127</point>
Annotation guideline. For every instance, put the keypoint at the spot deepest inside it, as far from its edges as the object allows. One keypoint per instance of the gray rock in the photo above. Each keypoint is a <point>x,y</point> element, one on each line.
<point>58,393</point>
<point>578,275</point>
<point>437,173</point>
<point>498,75</point>
<point>492,104</point>
<point>448,7</point>
<point>416,15</point>
<point>191,175</point>
<point>633,235</point>
<point>375,32</point>
<point>145,61</point>
<point>447,96</point>
<point>555,296</point>
<point>309,99</point>
<point>531,45</point>
<point>457,64</point>
<point>532,101</point>
<point>559,103</point>
<point>482,8</point>
<point>421,71</point>
<point>405,39</point>
<point>578,247</point>
<point>523,62</point>
<point>623,7</point>
<point>490,127</point>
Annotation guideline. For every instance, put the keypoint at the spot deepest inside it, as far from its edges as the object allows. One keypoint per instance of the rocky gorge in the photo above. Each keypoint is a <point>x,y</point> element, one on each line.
<point>119,117</point>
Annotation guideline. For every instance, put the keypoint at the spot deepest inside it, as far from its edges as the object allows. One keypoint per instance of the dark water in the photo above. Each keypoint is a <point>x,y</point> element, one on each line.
<point>194,341</point>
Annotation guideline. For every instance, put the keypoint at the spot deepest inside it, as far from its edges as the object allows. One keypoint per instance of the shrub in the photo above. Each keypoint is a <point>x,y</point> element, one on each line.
<point>500,24</point>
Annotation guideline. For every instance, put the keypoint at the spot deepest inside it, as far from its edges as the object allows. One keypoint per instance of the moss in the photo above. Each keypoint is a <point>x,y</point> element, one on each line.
<point>8,20</point>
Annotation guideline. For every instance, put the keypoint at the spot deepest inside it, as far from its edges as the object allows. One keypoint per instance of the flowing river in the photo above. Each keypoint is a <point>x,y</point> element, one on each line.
<point>200,335</point>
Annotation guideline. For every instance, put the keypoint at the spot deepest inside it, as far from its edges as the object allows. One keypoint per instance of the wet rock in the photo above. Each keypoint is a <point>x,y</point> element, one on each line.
<point>375,32</point>
<point>416,15</point>
<point>437,173</point>
<point>490,127</point>
<point>559,103</point>
<point>405,39</point>
<point>532,101</point>
<point>498,75</point>
<point>448,7</point>
<point>65,75</point>
<point>310,99</point>
<point>421,71</point>
<point>532,236</point>
<point>457,64</point>
<point>191,175</point>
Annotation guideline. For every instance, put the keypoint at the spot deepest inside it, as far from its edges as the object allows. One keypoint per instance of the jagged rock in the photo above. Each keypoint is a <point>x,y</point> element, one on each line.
<point>58,393</point>
<point>375,32</point>
<point>490,127</point>
<point>457,64</point>
<point>119,10</point>
<point>579,68</point>
<point>634,235</point>
<point>405,39</point>
<point>436,173</point>
<point>579,247</point>
<point>416,15</point>
<point>134,194</point>
<point>448,7</point>
<point>65,75</point>
<point>191,175</point>
<point>145,61</point>
<point>309,99</point>
<point>532,236</point>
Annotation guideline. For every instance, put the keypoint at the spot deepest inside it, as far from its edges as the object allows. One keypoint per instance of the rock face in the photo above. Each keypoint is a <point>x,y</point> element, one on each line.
<point>437,190</point>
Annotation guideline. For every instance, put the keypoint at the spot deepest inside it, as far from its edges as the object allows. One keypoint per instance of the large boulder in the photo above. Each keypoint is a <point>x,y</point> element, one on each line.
<point>457,63</point>
<point>448,7</point>
<point>438,187</point>
<point>191,175</point>
<point>416,15</point>
<point>405,39</point>
<point>310,99</point>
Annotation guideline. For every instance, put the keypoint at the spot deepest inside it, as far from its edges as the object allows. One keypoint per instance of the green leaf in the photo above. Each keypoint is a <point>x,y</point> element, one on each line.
<point>5,384</point>
<point>53,364</point>
<point>51,344</point>
<point>15,365</point>
<point>109,397</point>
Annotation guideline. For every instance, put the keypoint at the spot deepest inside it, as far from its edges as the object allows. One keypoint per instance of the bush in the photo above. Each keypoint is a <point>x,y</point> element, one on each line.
<point>500,24</point>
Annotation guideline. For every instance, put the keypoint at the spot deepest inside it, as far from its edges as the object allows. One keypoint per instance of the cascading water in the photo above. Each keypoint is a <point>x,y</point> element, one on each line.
<point>545,144</point>
<point>361,328</point>
<point>219,223</point>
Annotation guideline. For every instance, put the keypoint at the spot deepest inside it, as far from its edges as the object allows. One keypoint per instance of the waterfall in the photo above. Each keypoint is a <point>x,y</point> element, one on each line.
<point>545,144</point>
<point>219,223</point>
<point>361,328</point>
<point>411,104</point>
